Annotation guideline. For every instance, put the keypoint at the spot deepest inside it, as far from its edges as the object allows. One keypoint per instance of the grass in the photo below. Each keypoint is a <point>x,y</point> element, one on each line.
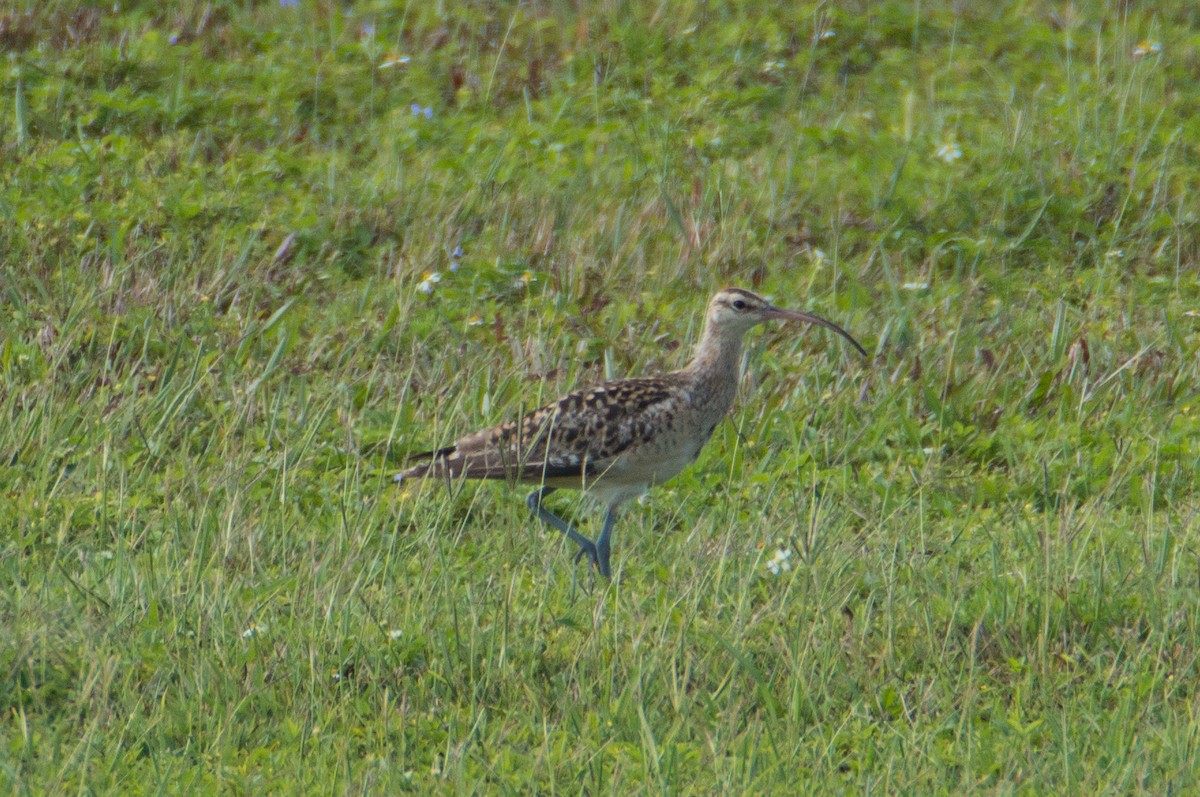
<point>216,349</point>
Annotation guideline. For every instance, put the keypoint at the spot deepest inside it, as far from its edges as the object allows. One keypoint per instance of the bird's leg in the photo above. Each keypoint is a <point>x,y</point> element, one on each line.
<point>603,542</point>
<point>586,547</point>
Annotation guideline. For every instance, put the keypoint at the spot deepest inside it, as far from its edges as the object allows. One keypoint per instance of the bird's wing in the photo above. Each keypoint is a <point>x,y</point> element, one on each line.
<point>579,435</point>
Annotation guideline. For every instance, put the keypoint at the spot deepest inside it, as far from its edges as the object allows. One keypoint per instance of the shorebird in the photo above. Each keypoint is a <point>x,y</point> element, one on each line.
<point>616,440</point>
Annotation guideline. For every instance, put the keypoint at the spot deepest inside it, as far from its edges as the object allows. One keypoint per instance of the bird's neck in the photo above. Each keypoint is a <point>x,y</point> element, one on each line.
<point>716,366</point>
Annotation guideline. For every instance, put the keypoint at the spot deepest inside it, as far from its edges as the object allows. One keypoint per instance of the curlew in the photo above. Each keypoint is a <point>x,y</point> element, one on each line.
<point>616,440</point>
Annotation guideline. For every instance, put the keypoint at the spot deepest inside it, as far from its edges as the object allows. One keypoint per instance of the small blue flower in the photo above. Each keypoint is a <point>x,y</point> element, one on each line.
<point>417,110</point>
<point>289,3</point>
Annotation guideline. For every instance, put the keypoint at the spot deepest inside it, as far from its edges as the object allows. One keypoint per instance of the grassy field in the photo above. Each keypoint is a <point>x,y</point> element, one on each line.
<point>252,253</point>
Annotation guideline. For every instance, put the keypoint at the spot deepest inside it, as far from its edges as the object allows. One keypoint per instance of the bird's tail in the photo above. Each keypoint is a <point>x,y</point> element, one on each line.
<point>427,461</point>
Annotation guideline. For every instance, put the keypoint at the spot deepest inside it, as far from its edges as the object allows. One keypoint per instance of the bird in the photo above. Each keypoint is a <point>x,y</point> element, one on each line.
<point>617,439</point>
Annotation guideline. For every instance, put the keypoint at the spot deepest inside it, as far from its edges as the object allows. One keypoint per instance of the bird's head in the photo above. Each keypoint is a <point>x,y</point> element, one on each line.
<point>735,311</point>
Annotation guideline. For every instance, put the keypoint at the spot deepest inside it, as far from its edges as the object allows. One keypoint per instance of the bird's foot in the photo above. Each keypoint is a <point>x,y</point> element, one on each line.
<point>588,550</point>
<point>597,557</point>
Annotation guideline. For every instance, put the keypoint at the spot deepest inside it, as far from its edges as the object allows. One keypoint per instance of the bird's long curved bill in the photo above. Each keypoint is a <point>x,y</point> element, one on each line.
<point>793,315</point>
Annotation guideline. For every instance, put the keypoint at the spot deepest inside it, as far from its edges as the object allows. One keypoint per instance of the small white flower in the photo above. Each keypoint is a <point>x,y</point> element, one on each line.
<point>395,633</point>
<point>427,283</point>
<point>948,153</point>
<point>828,33</point>
<point>1147,47</point>
<point>915,286</point>
<point>780,563</point>
<point>474,321</point>
<point>818,257</point>
<point>254,631</point>
<point>1114,254</point>
<point>770,67</point>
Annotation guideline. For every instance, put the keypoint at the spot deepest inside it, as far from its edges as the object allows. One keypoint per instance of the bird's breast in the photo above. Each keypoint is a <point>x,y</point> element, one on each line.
<point>658,444</point>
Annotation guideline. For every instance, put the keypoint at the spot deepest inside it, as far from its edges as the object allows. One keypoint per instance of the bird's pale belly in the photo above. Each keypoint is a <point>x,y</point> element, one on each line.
<point>651,465</point>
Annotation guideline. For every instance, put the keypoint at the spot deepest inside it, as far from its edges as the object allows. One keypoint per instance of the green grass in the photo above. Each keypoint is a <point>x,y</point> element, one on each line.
<point>214,355</point>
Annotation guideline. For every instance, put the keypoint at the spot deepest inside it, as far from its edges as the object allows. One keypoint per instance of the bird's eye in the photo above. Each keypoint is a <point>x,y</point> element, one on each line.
<point>738,304</point>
